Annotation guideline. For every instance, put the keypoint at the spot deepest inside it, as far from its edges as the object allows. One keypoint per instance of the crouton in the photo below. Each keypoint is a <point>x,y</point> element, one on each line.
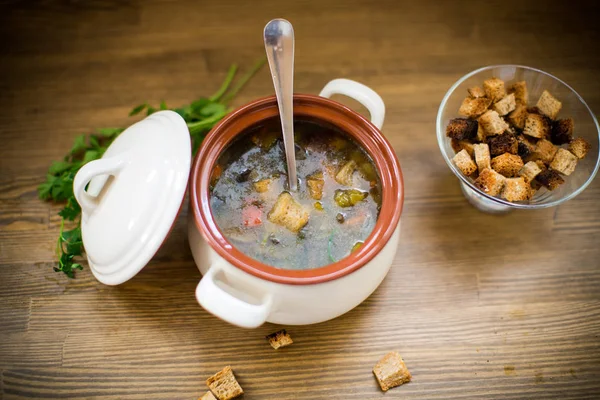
<point>391,371</point>
<point>288,213</point>
<point>537,126</point>
<point>476,92</point>
<point>465,163</point>
<point>518,116</point>
<point>458,145</point>
<point>504,143</point>
<point>344,175</point>
<point>550,179</point>
<point>519,89</point>
<point>507,164</point>
<point>505,105</point>
<point>315,184</point>
<point>482,156</point>
<point>492,123</point>
<point>262,186</point>
<point>548,105</point>
<point>564,162</point>
<point>208,396</point>
<point>224,385</point>
<point>580,147</point>
<point>545,151</point>
<point>526,147</point>
<point>562,131</point>
<point>516,189</point>
<point>494,89</point>
<point>480,137</point>
<point>461,128</point>
<point>541,164</point>
<point>473,108</point>
<point>529,171</point>
<point>490,182</point>
<point>279,339</point>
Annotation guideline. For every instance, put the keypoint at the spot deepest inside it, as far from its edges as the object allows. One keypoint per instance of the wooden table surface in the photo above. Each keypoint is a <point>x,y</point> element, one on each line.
<point>479,306</point>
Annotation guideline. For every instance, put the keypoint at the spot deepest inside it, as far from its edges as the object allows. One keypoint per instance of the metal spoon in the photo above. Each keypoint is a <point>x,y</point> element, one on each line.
<point>279,45</point>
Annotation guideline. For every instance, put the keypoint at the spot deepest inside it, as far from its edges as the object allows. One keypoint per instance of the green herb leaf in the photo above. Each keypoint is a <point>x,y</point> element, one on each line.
<point>71,211</point>
<point>78,145</point>
<point>110,132</point>
<point>163,105</point>
<point>58,167</point>
<point>212,109</point>
<point>138,109</point>
<point>91,155</point>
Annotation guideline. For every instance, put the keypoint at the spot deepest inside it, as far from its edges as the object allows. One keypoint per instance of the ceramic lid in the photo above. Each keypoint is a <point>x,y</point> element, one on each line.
<point>134,195</point>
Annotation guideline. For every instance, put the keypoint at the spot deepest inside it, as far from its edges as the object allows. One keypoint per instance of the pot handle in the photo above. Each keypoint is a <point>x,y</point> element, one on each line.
<point>96,173</point>
<point>361,93</point>
<point>229,308</point>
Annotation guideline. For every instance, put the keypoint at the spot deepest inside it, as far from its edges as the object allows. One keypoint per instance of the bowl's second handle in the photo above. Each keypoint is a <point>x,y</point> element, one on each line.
<point>361,93</point>
<point>226,306</point>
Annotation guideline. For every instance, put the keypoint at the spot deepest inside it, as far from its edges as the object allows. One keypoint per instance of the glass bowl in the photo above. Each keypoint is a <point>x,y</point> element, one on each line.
<point>586,126</point>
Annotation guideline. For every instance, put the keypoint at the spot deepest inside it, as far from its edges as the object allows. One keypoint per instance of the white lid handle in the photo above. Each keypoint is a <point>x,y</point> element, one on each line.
<point>361,93</point>
<point>103,166</point>
<point>228,307</point>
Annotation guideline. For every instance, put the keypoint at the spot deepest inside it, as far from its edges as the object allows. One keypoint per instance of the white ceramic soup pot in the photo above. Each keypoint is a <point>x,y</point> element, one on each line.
<point>246,292</point>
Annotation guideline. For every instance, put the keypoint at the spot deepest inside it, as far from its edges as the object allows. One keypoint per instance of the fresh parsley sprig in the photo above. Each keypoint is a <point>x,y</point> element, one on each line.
<point>200,116</point>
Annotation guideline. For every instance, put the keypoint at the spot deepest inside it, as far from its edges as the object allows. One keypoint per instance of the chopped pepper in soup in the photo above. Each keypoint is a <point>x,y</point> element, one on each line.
<point>331,215</point>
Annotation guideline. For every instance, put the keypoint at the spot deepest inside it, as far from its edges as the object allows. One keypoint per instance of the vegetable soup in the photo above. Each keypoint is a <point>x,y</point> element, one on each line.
<point>332,213</point>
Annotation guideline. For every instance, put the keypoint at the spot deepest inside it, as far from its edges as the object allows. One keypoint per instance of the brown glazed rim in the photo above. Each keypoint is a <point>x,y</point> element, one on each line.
<point>305,107</point>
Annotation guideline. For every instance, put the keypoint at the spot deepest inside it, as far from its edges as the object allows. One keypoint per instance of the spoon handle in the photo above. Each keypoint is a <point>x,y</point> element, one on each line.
<point>279,45</point>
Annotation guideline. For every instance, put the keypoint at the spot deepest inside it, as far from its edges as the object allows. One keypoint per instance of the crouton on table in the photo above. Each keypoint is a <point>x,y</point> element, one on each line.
<point>504,143</point>
<point>391,371</point>
<point>564,162</point>
<point>224,385</point>
<point>279,339</point>
<point>464,162</point>
<point>482,156</point>
<point>208,396</point>
<point>562,131</point>
<point>529,171</point>
<point>492,123</point>
<point>505,105</point>
<point>461,128</point>
<point>516,189</point>
<point>536,126</point>
<point>507,164</point>
<point>344,176</point>
<point>315,184</point>
<point>519,89</point>
<point>494,89</point>
<point>474,107</point>
<point>548,105</point>
<point>490,181</point>
<point>580,147</point>
<point>288,212</point>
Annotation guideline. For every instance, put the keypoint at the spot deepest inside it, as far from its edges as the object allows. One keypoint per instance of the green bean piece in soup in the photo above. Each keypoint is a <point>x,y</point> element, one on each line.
<point>331,215</point>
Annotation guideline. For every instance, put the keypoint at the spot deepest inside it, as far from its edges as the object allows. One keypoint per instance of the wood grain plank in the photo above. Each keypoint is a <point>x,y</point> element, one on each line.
<point>42,349</point>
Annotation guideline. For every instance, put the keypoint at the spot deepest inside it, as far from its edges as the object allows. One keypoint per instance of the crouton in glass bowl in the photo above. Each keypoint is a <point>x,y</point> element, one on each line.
<point>498,129</point>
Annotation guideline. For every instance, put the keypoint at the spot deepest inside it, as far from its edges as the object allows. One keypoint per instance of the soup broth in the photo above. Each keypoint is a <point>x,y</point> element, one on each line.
<point>332,213</point>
